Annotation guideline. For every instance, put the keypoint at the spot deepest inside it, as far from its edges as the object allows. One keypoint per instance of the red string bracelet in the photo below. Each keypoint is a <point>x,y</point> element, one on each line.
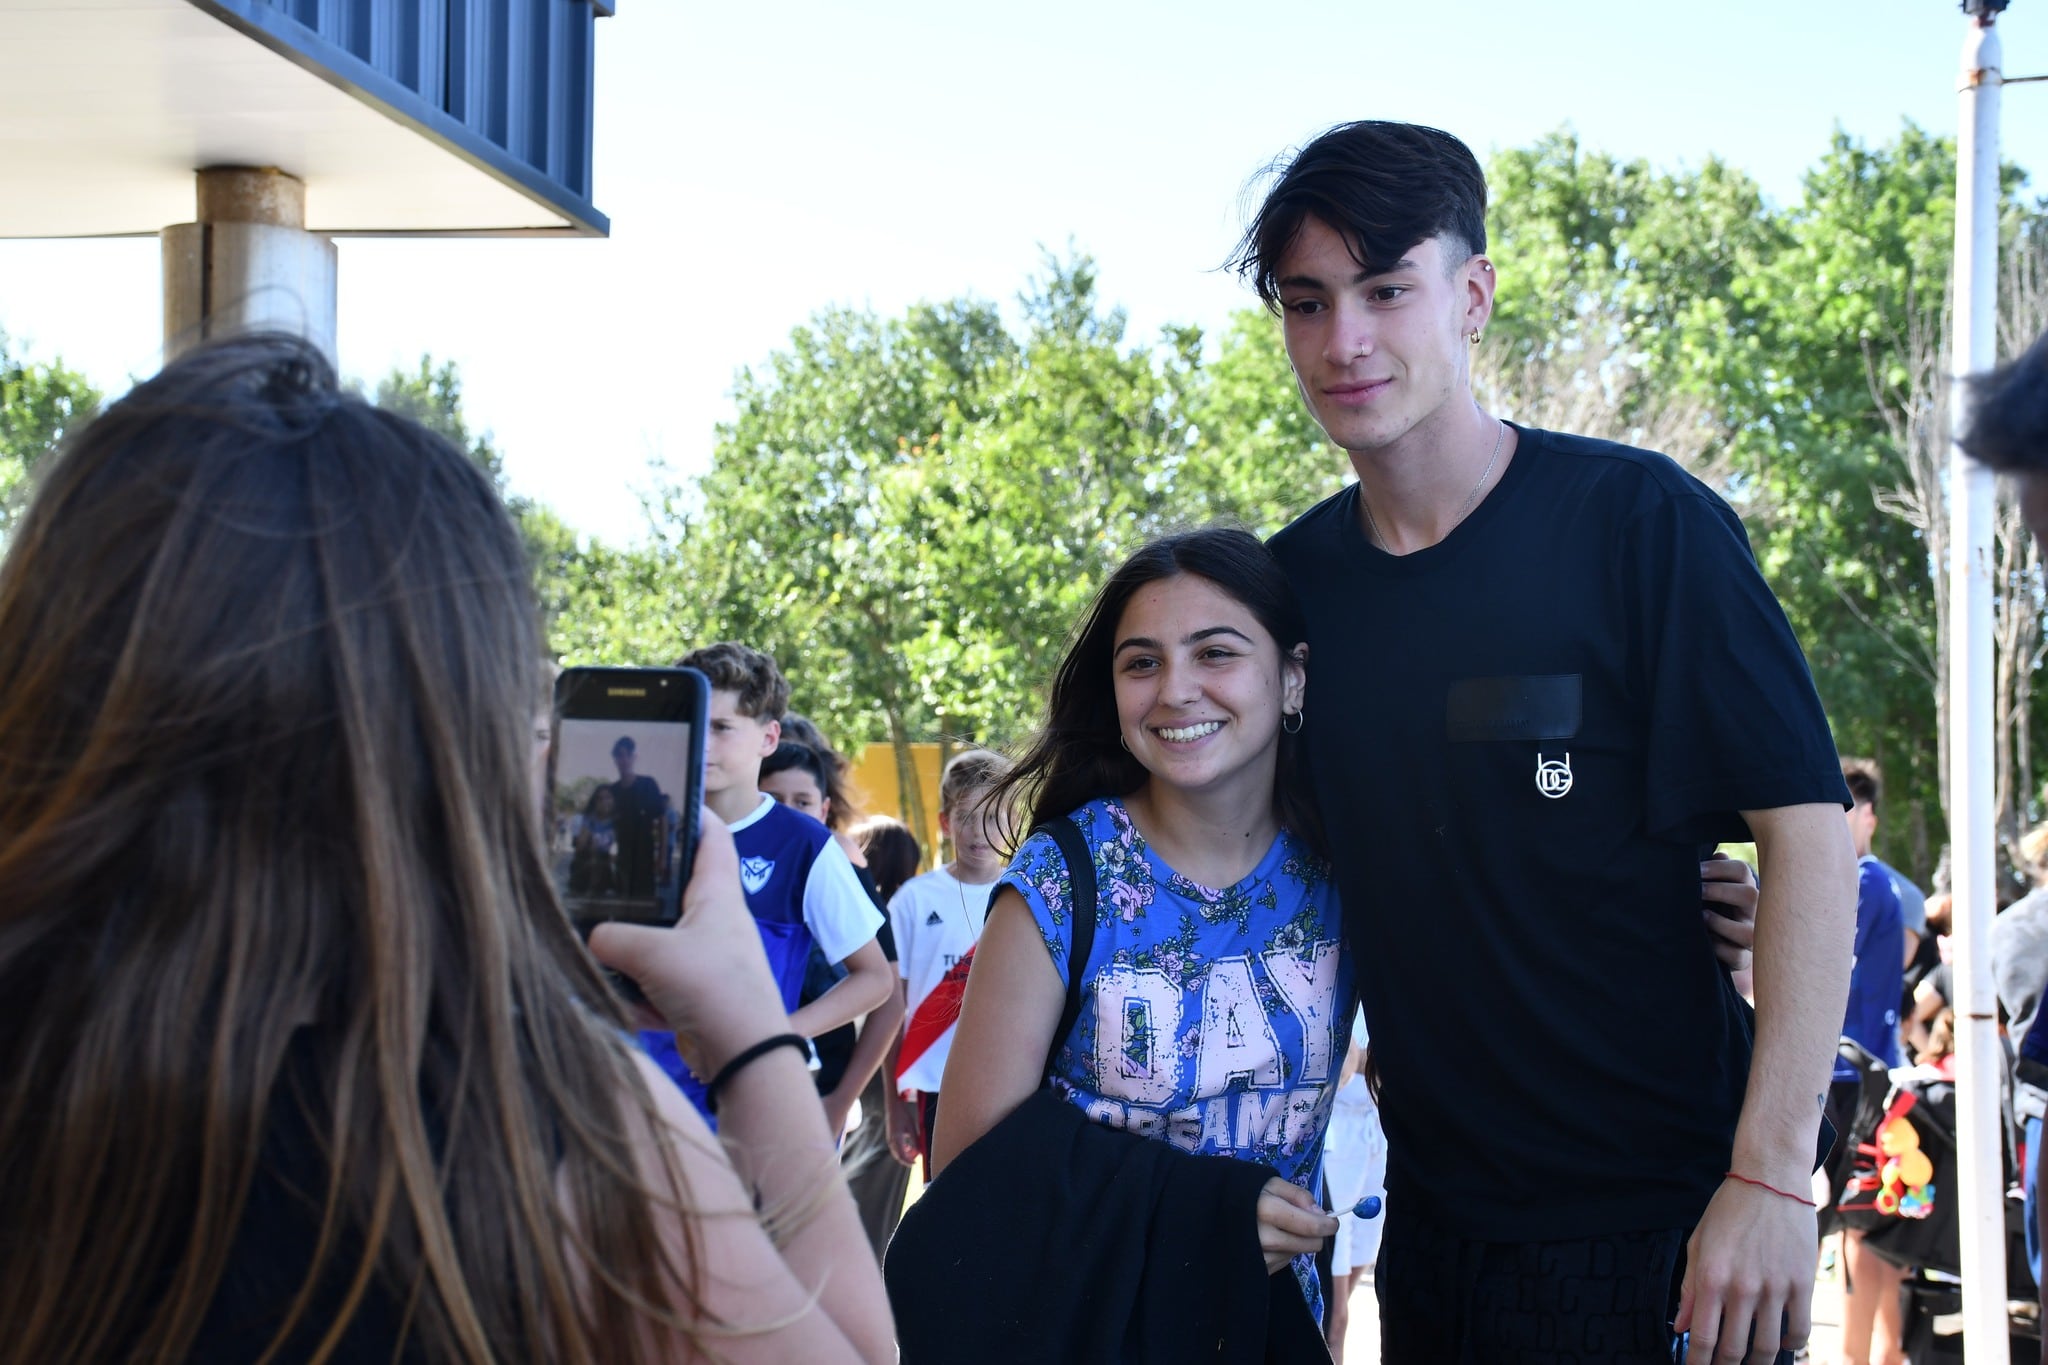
<point>1782,1194</point>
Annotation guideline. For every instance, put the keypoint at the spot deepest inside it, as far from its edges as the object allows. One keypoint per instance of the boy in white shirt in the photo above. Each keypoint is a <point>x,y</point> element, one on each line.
<point>937,919</point>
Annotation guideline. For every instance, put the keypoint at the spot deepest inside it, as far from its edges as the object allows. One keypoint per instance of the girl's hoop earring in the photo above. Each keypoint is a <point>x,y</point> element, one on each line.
<point>1126,743</point>
<point>1296,717</point>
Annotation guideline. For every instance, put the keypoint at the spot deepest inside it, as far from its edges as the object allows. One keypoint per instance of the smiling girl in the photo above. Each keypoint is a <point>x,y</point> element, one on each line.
<point>1216,1000</point>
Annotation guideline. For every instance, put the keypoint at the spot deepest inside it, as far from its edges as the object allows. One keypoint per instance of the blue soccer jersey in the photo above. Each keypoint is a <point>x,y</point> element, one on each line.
<point>802,890</point>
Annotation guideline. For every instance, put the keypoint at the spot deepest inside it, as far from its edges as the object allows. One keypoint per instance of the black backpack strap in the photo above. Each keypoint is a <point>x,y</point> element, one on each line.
<point>1082,913</point>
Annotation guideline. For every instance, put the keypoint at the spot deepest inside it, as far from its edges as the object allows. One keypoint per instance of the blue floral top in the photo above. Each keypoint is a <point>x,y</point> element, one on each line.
<point>1213,1019</point>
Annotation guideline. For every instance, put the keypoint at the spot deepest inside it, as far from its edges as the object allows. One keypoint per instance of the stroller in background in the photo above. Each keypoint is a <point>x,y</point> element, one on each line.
<point>1920,1234</point>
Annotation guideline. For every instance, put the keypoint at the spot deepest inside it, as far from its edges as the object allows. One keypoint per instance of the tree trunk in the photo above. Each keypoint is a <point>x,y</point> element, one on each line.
<point>910,792</point>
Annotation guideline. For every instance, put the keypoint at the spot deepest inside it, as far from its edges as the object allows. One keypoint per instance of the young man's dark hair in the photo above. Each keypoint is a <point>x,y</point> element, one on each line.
<point>1863,781</point>
<point>2009,427</point>
<point>1383,186</point>
<point>751,676</point>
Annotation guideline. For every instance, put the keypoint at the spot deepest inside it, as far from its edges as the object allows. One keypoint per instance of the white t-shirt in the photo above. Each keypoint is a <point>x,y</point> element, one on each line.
<point>936,918</point>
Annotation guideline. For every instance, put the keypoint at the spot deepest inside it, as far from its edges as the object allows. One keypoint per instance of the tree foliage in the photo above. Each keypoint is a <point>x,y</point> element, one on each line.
<point>911,511</point>
<point>40,403</point>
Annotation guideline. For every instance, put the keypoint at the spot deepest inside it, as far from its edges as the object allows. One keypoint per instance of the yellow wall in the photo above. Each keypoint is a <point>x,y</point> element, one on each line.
<point>874,778</point>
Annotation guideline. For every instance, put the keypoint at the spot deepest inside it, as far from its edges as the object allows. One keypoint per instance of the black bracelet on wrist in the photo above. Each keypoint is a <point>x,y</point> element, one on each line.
<point>751,1055</point>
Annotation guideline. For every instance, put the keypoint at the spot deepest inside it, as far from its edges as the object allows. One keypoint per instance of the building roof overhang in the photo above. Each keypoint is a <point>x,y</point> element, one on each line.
<point>402,116</point>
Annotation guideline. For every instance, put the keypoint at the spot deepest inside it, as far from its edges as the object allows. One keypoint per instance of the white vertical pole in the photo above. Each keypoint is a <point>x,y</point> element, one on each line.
<point>1980,1174</point>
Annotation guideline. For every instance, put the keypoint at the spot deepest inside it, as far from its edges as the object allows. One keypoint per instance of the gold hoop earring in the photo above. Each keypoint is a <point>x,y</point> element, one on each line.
<point>1296,717</point>
<point>1475,336</point>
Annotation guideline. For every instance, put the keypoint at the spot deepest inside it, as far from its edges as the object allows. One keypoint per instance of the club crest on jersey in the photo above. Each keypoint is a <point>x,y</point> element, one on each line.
<point>755,872</point>
<point>1553,776</point>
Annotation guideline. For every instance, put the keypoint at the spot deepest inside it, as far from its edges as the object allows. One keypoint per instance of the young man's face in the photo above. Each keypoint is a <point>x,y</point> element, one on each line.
<point>734,745</point>
<point>1862,827</point>
<point>1378,356</point>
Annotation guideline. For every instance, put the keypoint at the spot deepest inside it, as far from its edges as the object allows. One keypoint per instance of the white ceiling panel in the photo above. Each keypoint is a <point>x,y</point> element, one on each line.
<point>108,107</point>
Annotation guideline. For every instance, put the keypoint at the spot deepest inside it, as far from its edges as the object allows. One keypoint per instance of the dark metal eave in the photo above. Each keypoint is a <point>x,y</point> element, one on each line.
<point>336,65</point>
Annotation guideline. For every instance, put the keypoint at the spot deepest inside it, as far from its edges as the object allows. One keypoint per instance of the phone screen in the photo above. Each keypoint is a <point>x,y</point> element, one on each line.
<point>624,790</point>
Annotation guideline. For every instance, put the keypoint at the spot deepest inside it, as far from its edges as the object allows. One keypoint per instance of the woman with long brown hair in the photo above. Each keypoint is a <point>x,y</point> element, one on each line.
<point>303,1060</point>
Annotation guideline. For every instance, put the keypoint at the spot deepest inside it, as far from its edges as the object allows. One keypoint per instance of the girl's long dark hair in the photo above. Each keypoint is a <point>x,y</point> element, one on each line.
<point>268,660</point>
<point>1078,755</point>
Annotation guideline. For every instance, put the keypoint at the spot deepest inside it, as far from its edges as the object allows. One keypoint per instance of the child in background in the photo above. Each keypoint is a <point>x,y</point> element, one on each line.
<point>1355,1166</point>
<point>879,1183</point>
<point>797,776</point>
<point>937,919</point>
<point>800,886</point>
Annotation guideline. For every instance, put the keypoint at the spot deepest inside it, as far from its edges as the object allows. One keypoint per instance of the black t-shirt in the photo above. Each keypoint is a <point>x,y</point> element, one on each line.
<point>1522,739</point>
<point>638,809</point>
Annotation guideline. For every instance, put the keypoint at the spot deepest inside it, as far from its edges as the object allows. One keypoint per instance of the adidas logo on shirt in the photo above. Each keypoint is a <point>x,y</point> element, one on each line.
<point>933,918</point>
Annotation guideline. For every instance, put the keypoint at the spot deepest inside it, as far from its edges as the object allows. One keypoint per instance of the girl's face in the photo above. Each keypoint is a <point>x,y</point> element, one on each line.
<point>601,804</point>
<point>979,831</point>
<point>1200,688</point>
<point>798,790</point>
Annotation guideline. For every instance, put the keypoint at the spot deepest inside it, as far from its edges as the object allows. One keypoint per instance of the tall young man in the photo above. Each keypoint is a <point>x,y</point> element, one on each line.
<point>1551,676</point>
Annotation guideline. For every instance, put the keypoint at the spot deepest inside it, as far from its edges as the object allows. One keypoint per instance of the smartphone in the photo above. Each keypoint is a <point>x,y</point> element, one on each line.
<point>625,785</point>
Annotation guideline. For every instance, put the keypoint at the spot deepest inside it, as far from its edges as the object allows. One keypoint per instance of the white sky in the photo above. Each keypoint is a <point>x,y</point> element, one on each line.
<point>761,161</point>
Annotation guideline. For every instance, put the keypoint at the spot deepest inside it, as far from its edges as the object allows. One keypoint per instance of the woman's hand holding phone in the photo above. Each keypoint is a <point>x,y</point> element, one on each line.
<point>707,976</point>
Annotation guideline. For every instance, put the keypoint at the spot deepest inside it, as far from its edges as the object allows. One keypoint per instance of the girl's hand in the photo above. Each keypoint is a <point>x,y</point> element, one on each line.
<point>900,1123</point>
<point>707,977</point>
<point>1291,1223</point>
<point>1729,888</point>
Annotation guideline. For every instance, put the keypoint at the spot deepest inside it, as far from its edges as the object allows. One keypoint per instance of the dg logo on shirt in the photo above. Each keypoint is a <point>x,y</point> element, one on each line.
<point>1553,777</point>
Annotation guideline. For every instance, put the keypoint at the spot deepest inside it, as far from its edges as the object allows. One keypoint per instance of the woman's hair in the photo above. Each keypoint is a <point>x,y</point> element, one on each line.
<point>892,853</point>
<point>2034,854</point>
<point>790,754</point>
<point>1078,755</point>
<point>845,808</point>
<point>972,773</point>
<point>267,674</point>
<point>590,806</point>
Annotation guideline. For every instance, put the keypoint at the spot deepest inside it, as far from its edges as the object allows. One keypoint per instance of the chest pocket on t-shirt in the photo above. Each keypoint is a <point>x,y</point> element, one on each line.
<point>1533,707</point>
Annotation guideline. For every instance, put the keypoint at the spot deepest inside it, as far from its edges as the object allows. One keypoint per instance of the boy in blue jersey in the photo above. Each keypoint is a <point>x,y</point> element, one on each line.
<point>800,885</point>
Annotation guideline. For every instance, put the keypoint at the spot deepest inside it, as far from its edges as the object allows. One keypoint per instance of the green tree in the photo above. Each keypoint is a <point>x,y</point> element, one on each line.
<point>808,541</point>
<point>40,404</point>
<point>1256,455</point>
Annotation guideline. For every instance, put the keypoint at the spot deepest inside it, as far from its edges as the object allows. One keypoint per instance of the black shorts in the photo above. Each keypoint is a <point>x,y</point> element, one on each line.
<point>1607,1300</point>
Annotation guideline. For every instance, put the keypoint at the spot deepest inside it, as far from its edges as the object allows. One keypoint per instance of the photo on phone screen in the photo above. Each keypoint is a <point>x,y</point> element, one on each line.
<point>626,765</point>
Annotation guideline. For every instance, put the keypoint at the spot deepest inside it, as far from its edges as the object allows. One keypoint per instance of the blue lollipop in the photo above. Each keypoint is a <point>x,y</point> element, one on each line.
<point>1368,1207</point>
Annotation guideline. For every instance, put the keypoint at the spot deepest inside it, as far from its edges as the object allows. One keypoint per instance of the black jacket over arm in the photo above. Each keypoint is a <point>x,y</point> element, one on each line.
<point>1056,1239</point>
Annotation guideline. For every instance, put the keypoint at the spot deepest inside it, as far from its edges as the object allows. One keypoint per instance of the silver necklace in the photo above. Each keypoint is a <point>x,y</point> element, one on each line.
<point>960,890</point>
<point>1470,502</point>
